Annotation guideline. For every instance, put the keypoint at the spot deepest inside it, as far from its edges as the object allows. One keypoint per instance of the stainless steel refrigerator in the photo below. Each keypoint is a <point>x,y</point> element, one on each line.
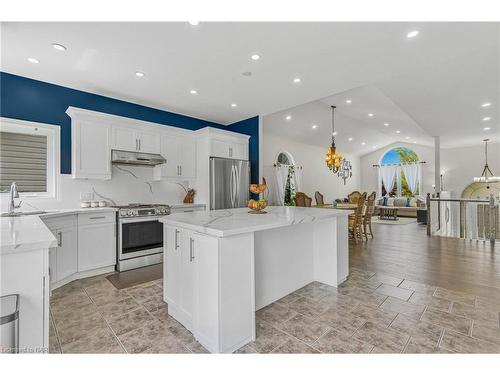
<point>229,183</point>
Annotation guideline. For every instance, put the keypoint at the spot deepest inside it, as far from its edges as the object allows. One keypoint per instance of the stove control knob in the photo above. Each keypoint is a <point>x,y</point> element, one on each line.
<point>130,213</point>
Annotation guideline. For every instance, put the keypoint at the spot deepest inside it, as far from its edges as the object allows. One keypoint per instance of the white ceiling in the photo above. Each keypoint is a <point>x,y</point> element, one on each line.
<point>433,84</point>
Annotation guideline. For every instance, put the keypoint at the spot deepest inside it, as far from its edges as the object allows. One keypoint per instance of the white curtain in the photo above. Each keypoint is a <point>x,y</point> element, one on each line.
<point>388,174</point>
<point>281,173</point>
<point>298,178</point>
<point>412,174</point>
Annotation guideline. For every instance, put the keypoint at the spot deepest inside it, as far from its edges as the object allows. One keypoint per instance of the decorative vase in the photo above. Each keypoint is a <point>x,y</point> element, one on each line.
<point>189,198</point>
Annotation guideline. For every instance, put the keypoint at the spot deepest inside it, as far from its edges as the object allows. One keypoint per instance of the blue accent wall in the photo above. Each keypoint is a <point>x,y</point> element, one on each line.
<point>250,127</point>
<point>27,99</point>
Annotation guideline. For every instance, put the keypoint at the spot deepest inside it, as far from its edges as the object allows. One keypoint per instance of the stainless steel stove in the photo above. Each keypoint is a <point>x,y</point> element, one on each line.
<point>140,235</point>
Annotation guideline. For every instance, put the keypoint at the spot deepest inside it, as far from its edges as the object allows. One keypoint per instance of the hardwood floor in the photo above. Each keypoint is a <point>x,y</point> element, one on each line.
<point>406,251</point>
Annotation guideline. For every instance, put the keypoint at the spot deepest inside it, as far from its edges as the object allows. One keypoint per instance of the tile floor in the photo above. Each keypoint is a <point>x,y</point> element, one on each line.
<point>369,313</point>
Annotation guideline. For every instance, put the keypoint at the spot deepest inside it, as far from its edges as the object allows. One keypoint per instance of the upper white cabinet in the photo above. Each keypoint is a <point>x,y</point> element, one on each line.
<point>228,148</point>
<point>180,153</point>
<point>91,145</point>
<point>130,139</point>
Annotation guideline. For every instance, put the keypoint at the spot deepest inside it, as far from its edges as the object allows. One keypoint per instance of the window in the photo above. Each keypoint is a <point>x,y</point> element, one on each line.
<point>29,155</point>
<point>398,157</point>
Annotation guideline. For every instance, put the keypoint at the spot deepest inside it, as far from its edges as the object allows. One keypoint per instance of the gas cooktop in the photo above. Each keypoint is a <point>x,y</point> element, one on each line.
<point>142,209</point>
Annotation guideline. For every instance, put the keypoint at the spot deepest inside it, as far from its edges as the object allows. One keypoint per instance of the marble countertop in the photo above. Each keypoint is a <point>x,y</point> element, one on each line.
<point>223,223</point>
<point>24,233</point>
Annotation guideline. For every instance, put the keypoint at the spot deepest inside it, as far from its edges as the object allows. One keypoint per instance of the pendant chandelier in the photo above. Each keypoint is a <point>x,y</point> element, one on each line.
<point>487,175</point>
<point>333,158</point>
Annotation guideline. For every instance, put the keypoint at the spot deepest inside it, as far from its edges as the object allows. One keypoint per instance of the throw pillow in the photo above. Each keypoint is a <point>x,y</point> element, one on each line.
<point>390,202</point>
<point>413,202</point>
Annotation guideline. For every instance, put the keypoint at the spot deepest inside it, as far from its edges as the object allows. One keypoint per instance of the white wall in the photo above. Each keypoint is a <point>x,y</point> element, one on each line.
<point>315,175</point>
<point>460,166</point>
<point>123,188</point>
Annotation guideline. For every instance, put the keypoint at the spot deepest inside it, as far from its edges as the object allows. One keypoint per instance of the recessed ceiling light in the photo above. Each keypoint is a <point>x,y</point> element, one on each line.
<point>234,105</point>
<point>296,80</point>
<point>193,92</point>
<point>255,57</point>
<point>374,147</point>
<point>386,124</point>
<point>139,74</point>
<point>407,137</point>
<point>33,60</point>
<point>486,128</point>
<point>314,126</point>
<point>348,101</point>
<point>334,133</point>
<point>363,143</point>
<point>349,139</point>
<point>370,115</point>
<point>415,142</point>
<point>412,34</point>
<point>288,117</point>
<point>487,104</point>
<point>59,47</point>
<point>486,118</point>
<point>398,131</point>
<point>194,23</point>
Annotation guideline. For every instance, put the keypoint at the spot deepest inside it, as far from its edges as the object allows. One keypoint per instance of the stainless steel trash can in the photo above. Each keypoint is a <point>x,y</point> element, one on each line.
<point>9,323</point>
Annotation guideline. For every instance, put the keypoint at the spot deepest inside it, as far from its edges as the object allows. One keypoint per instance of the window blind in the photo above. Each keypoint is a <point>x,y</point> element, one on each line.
<point>23,159</point>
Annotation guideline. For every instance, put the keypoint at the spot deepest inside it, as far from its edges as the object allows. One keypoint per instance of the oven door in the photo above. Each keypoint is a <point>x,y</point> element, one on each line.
<point>139,236</point>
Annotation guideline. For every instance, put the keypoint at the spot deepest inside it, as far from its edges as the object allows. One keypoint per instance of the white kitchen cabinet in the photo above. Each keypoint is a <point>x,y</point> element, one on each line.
<point>228,149</point>
<point>179,264</point>
<point>171,265</point>
<point>131,139</point>
<point>91,147</point>
<point>124,139</point>
<point>96,241</point>
<point>63,259</point>
<point>180,153</point>
<point>67,253</point>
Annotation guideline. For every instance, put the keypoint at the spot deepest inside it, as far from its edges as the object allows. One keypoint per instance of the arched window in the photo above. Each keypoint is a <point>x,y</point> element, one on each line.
<point>288,176</point>
<point>404,163</point>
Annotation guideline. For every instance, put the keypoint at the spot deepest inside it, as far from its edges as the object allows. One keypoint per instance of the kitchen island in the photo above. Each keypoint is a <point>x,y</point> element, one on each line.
<point>221,266</point>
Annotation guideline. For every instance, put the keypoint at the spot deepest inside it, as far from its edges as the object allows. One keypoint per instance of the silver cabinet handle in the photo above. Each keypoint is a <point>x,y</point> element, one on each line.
<point>176,239</point>
<point>139,144</point>
<point>59,239</point>
<point>191,249</point>
<point>230,151</point>
<point>180,168</point>
<point>136,145</point>
<point>97,217</point>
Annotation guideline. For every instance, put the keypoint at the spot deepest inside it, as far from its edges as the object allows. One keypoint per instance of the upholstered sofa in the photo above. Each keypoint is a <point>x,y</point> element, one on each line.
<point>407,207</point>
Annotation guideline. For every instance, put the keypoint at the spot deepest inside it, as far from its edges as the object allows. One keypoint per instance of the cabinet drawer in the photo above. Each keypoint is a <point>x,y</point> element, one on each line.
<point>96,217</point>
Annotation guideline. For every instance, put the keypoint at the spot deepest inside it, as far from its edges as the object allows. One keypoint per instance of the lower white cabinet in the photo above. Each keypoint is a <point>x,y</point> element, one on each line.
<point>63,259</point>
<point>96,241</point>
<point>179,264</point>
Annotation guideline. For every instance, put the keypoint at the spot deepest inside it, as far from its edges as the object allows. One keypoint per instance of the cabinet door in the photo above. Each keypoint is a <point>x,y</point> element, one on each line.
<point>187,259</point>
<point>91,150</point>
<point>238,151</point>
<point>149,142</point>
<point>219,148</point>
<point>125,139</point>
<point>96,246</point>
<point>172,265</point>
<point>67,254</point>
<point>187,155</point>
<point>169,150</point>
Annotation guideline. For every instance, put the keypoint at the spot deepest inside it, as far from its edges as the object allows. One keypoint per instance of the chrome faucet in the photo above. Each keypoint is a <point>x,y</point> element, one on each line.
<point>13,194</point>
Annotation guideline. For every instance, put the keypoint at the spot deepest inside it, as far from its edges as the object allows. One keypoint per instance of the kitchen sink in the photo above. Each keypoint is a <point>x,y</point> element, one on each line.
<point>14,214</point>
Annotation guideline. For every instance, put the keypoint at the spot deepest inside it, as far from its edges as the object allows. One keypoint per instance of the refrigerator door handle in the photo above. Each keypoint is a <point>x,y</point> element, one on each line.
<point>237,184</point>
<point>212,184</point>
<point>231,187</point>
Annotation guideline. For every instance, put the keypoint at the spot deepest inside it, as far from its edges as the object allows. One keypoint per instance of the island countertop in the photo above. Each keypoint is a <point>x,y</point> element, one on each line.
<point>230,222</point>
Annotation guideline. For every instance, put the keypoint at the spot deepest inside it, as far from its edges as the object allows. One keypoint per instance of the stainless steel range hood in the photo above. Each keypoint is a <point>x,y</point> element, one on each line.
<point>136,158</point>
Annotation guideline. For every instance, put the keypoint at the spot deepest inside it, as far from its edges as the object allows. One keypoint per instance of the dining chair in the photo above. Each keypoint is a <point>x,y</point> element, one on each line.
<point>302,200</point>
<point>356,219</point>
<point>319,198</point>
<point>367,217</point>
<point>353,197</point>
